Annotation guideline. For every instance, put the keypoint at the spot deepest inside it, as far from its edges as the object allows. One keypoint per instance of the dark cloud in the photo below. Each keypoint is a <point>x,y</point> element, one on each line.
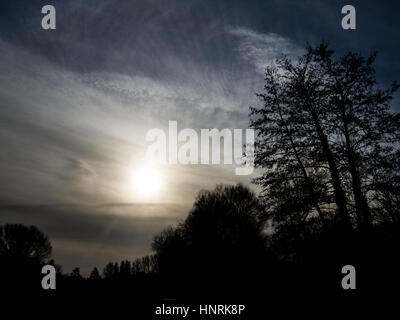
<point>140,36</point>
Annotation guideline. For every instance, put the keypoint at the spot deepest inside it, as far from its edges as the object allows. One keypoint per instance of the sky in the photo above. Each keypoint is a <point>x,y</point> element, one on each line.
<point>76,104</point>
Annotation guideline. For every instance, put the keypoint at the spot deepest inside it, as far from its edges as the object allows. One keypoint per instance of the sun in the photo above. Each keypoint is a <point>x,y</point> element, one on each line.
<point>147,181</point>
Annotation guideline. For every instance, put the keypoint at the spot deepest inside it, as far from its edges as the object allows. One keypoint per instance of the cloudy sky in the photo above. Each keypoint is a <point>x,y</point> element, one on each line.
<point>76,104</point>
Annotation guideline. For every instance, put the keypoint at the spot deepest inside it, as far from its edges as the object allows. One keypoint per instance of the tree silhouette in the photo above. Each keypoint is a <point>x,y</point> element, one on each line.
<point>125,269</point>
<point>76,274</point>
<point>144,265</point>
<point>109,271</point>
<point>222,235</point>
<point>94,274</point>
<point>23,251</point>
<point>326,132</point>
<point>24,244</point>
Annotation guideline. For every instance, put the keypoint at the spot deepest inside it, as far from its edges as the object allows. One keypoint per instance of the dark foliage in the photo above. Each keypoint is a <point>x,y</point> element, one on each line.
<point>23,251</point>
<point>327,141</point>
<point>223,236</point>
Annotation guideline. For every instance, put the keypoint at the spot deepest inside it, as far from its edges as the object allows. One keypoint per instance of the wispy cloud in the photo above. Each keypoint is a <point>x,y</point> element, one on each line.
<point>76,105</point>
<point>260,49</point>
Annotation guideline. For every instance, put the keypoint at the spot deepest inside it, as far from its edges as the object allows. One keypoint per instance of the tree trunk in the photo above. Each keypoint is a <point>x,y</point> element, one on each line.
<point>344,218</point>
<point>303,170</point>
<point>364,219</point>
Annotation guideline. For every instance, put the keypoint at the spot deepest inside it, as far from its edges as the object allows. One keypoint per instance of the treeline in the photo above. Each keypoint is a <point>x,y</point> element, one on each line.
<point>118,271</point>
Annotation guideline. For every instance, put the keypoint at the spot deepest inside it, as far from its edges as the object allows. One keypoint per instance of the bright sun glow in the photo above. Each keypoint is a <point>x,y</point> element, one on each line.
<point>147,181</point>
